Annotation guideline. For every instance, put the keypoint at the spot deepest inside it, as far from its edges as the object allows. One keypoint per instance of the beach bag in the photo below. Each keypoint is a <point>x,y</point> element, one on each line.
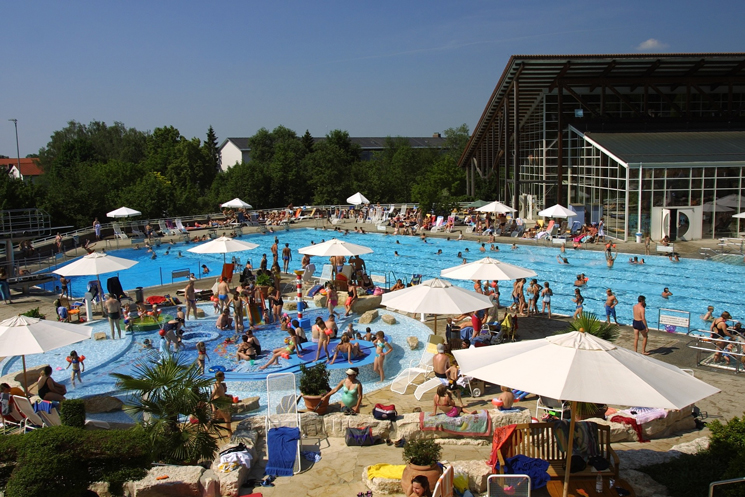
<point>383,412</point>
<point>359,437</point>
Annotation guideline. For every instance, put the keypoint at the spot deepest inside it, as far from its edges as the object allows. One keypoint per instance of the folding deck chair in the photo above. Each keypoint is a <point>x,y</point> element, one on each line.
<point>31,420</point>
<point>118,231</point>
<point>423,367</point>
<point>444,486</point>
<point>281,413</point>
<point>512,485</point>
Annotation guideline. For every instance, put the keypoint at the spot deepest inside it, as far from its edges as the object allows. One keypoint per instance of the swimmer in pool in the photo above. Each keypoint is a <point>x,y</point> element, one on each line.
<point>395,252</point>
<point>709,316</point>
<point>561,260</point>
<point>666,293</point>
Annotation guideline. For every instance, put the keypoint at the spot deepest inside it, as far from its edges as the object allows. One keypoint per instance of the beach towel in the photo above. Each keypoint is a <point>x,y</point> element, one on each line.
<point>535,468</point>
<point>475,425</point>
<point>585,437</point>
<point>313,291</point>
<point>643,414</point>
<point>631,422</point>
<point>282,444</point>
<point>501,443</point>
<point>114,286</point>
<point>155,299</point>
<point>389,471</point>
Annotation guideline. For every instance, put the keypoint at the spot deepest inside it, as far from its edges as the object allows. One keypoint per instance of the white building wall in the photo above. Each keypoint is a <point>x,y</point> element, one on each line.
<point>230,155</point>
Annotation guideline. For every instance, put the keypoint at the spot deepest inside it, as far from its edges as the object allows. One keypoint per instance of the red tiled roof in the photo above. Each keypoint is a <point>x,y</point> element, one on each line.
<point>29,167</point>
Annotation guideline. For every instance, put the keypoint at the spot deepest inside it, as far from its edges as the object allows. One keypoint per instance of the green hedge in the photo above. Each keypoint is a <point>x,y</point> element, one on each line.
<point>724,459</point>
<point>72,413</point>
<point>65,461</point>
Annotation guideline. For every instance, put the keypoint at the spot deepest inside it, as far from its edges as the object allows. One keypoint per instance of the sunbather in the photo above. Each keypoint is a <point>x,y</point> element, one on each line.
<point>444,402</point>
<point>348,348</point>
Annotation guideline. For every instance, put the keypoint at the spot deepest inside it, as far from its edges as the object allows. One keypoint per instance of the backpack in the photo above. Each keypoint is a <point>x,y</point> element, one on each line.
<point>384,413</point>
<point>359,437</point>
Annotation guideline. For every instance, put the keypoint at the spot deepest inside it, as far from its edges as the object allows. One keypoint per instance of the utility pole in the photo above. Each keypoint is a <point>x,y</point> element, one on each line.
<point>18,150</point>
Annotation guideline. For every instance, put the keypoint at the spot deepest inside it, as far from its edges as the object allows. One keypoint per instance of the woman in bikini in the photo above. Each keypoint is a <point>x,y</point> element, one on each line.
<point>284,352</point>
<point>380,352</point>
<point>324,335</point>
<point>332,298</point>
<point>219,391</point>
<point>579,300</point>
<point>445,403</point>
<point>719,331</point>
<point>348,348</point>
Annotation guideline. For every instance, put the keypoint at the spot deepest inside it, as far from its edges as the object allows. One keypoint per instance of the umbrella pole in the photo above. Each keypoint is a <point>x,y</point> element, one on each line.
<point>25,378</point>
<point>570,446</point>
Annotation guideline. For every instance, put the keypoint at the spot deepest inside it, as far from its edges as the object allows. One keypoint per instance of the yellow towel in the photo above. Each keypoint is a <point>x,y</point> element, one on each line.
<point>390,471</point>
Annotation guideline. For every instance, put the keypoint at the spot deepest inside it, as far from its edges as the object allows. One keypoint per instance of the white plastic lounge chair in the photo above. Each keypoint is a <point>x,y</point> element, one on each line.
<point>180,226</point>
<point>51,419</point>
<point>326,274</point>
<point>118,231</point>
<point>513,485</point>
<point>308,274</point>
<point>281,402</point>
<point>444,486</point>
<point>423,368</point>
<point>136,231</point>
<point>32,420</point>
<point>552,405</point>
<point>13,420</point>
<point>438,224</point>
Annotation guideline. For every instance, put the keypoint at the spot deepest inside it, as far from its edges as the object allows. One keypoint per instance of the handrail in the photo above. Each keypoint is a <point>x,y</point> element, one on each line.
<point>724,482</point>
<point>699,346</point>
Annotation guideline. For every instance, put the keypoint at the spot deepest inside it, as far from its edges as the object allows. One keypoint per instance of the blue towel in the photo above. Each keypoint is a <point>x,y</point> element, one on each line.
<point>282,443</point>
<point>535,468</point>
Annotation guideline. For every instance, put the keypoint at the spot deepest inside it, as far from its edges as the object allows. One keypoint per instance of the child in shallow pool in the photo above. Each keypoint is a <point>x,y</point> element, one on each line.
<point>202,356</point>
<point>709,316</point>
<point>380,352</point>
<point>77,364</point>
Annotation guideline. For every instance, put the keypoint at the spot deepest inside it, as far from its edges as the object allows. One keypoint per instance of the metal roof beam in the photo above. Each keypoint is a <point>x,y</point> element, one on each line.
<point>625,100</point>
<point>581,101</point>
<point>558,77</point>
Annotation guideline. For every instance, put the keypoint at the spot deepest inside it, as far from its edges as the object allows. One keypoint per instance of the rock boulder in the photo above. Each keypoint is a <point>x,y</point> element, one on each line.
<point>102,403</point>
<point>179,481</point>
<point>388,319</point>
<point>381,485</point>
<point>368,317</point>
<point>320,300</point>
<point>413,342</point>
<point>477,473</point>
<point>290,305</point>
<point>643,484</point>
<point>31,373</point>
<point>336,424</point>
<point>245,405</point>
<point>366,303</point>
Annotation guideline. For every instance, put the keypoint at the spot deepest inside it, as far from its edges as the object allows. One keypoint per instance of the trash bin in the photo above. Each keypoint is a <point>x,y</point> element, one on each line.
<point>139,295</point>
<point>639,238</point>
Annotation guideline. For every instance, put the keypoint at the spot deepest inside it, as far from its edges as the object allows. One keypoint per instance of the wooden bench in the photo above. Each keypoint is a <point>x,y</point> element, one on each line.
<point>668,249</point>
<point>537,440</point>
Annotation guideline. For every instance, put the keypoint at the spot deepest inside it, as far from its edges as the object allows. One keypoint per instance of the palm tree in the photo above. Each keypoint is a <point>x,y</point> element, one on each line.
<point>174,400</point>
<point>589,323</point>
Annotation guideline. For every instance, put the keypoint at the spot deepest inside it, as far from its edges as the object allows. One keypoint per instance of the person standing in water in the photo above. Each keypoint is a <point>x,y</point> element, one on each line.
<point>640,324</point>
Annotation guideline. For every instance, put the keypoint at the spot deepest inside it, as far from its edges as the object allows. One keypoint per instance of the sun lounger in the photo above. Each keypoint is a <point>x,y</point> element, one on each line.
<point>422,368</point>
<point>118,231</point>
<point>444,486</point>
<point>32,420</point>
<point>282,425</point>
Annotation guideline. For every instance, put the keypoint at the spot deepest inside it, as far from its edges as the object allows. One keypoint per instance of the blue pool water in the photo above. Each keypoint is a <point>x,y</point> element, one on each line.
<point>123,356</point>
<point>695,284</point>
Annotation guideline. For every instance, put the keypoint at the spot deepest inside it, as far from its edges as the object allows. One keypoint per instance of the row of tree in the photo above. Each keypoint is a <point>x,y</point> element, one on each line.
<point>91,169</point>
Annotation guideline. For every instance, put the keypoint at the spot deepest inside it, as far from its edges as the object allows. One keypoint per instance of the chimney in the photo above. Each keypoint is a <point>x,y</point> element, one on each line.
<point>436,135</point>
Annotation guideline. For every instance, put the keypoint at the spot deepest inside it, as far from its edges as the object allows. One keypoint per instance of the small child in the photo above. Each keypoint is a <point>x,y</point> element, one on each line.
<point>350,331</point>
<point>147,344</point>
<point>202,356</point>
<point>507,398</point>
<point>368,334</point>
<point>299,335</point>
<point>709,316</point>
<point>77,366</point>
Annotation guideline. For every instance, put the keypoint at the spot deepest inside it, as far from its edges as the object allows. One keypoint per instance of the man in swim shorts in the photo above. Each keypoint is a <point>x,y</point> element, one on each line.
<point>640,324</point>
<point>286,257</point>
<point>222,294</point>
<point>610,306</point>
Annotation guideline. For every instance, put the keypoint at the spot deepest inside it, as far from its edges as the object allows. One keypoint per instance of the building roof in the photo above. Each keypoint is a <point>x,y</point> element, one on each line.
<point>29,167</point>
<point>374,143</point>
<point>649,148</point>
<point>539,74</point>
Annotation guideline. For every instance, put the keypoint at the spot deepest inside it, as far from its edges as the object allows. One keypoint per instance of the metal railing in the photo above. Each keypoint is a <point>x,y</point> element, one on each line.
<point>24,222</point>
<point>723,482</point>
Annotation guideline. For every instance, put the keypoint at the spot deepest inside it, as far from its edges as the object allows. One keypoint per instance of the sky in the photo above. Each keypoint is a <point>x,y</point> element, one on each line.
<point>384,68</point>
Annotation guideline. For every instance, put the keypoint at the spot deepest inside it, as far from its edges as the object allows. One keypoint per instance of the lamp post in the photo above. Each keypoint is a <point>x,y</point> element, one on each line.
<point>18,150</point>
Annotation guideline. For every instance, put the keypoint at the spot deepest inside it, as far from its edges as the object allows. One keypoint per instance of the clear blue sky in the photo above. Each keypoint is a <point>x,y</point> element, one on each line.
<point>370,68</point>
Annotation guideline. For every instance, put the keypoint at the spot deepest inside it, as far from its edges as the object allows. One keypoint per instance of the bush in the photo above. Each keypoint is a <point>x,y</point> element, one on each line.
<point>314,380</point>
<point>72,413</point>
<point>422,452</point>
<point>724,459</point>
<point>33,313</point>
<point>68,460</point>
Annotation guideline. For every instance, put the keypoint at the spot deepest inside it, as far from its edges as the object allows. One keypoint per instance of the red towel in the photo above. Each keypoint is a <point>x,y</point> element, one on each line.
<point>155,299</point>
<point>631,422</point>
<point>501,442</point>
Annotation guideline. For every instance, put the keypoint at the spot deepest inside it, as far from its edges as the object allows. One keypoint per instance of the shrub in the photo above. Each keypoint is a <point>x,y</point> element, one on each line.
<point>314,380</point>
<point>69,459</point>
<point>590,323</point>
<point>33,313</point>
<point>724,459</point>
<point>72,413</point>
<point>422,452</point>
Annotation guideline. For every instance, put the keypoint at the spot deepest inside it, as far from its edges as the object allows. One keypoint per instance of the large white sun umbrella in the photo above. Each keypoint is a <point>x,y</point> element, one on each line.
<point>436,296</point>
<point>557,210</point>
<point>236,203</point>
<point>487,269</point>
<point>223,245</point>
<point>733,200</point>
<point>95,264</point>
<point>22,335</point>
<point>496,207</point>
<point>580,367</point>
<point>335,247</point>
<point>740,215</point>
<point>712,207</point>
<point>123,212</point>
<point>358,199</point>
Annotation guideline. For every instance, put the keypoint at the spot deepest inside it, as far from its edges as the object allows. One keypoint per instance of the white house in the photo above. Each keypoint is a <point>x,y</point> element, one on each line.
<point>234,151</point>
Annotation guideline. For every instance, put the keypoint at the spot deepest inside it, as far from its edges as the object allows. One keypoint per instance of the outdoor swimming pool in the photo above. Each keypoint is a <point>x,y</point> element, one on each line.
<point>123,356</point>
<point>695,284</point>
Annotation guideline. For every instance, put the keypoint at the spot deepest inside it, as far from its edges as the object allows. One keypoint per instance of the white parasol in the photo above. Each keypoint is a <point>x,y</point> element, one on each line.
<point>123,212</point>
<point>557,211</point>
<point>487,269</point>
<point>222,245</point>
<point>236,203</point>
<point>358,199</point>
<point>335,247</point>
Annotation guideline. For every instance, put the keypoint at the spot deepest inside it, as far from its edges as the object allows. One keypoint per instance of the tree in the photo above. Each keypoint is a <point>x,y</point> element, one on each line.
<point>212,152</point>
<point>589,323</point>
<point>166,391</point>
<point>308,141</point>
<point>329,168</point>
